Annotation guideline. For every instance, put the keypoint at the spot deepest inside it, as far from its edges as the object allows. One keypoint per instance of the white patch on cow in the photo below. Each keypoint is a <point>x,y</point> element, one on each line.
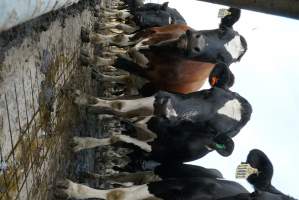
<point>234,47</point>
<point>170,112</point>
<point>201,42</point>
<point>79,191</point>
<point>169,20</point>
<point>231,109</point>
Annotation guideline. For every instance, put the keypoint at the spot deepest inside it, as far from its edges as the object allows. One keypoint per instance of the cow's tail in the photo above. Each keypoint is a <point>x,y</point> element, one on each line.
<point>130,66</point>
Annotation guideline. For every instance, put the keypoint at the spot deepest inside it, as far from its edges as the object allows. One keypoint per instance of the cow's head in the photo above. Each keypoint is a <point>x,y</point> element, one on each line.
<point>157,15</point>
<point>261,177</point>
<point>222,45</point>
<point>216,46</point>
<point>226,112</point>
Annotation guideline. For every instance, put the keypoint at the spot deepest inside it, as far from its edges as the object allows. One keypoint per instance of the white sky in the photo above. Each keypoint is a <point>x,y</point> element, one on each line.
<point>267,76</point>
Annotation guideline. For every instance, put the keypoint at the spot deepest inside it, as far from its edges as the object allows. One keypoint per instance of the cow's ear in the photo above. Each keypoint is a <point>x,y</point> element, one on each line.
<point>224,145</point>
<point>221,76</point>
<point>230,19</point>
<point>259,160</point>
<point>165,5</point>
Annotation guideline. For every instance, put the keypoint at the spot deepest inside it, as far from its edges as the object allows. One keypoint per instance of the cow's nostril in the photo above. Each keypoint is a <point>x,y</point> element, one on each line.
<point>197,49</point>
<point>197,36</point>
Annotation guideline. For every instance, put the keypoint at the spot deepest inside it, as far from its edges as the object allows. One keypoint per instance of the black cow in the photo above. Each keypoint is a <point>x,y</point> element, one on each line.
<point>184,182</point>
<point>143,16</point>
<point>175,127</point>
<point>151,15</point>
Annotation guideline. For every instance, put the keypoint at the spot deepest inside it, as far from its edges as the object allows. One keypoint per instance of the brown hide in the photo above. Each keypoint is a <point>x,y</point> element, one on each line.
<point>172,72</point>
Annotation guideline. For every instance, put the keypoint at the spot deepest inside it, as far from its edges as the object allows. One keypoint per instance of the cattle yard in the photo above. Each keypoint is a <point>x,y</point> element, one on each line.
<point>66,86</point>
<point>39,63</point>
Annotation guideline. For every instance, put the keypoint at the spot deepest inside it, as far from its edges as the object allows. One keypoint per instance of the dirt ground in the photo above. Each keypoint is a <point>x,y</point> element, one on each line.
<point>39,67</point>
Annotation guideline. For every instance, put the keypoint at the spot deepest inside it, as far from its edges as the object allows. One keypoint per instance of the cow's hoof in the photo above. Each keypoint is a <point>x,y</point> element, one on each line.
<point>77,144</point>
<point>85,35</point>
<point>61,189</point>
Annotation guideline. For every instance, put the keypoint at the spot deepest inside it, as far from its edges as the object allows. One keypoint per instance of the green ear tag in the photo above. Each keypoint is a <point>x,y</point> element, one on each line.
<point>220,146</point>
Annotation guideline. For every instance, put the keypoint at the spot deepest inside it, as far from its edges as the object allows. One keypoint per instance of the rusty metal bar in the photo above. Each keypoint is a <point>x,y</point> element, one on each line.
<point>285,8</point>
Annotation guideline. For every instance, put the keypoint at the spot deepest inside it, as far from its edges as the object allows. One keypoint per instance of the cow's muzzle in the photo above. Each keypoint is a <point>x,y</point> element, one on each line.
<point>196,43</point>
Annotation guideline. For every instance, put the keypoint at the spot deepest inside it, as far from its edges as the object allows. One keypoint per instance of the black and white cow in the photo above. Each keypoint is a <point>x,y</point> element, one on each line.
<point>151,15</point>
<point>189,183</point>
<point>175,127</point>
<point>143,16</point>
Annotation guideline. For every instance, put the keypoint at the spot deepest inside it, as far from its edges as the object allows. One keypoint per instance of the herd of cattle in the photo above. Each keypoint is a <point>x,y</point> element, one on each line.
<point>171,121</point>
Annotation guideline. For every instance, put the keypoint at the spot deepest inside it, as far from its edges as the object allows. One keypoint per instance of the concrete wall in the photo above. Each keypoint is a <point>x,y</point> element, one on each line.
<point>37,58</point>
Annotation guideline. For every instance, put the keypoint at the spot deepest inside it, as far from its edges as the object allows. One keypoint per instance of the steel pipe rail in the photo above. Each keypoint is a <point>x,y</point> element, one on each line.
<point>14,12</point>
<point>285,8</point>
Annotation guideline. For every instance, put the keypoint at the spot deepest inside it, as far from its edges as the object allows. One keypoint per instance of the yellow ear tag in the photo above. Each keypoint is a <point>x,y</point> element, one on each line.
<point>244,170</point>
<point>223,13</point>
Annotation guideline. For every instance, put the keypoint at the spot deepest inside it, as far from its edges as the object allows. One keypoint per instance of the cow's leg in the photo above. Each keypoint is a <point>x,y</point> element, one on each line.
<point>142,145</point>
<point>121,40</point>
<point>117,50</point>
<point>81,143</point>
<point>138,57</point>
<point>123,15</point>
<point>137,178</point>
<point>79,191</point>
<point>127,29</point>
<point>123,79</point>
<point>143,132</point>
<point>101,62</point>
<point>125,108</point>
<point>106,40</point>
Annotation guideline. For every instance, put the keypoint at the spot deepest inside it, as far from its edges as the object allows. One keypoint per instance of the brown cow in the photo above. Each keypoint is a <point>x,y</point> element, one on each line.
<point>175,57</point>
